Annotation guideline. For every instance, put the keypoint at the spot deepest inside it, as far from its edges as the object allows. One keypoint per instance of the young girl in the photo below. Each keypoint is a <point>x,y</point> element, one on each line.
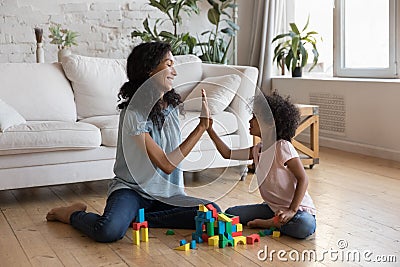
<point>149,150</point>
<point>280,173</point>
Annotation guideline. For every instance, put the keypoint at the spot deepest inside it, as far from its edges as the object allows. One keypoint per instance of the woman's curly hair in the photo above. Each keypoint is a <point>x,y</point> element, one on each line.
<point>285,114</point>
<point>143,59</point>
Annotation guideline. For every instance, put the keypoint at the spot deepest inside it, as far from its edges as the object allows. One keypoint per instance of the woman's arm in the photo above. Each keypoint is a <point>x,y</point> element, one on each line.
<point>225,151</point>
<point>168,162</point>
<point>296,167</point>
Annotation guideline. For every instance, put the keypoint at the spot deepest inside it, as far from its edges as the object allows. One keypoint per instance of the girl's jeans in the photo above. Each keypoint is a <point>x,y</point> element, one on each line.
<point>121,209</point>
<point>300,226</point>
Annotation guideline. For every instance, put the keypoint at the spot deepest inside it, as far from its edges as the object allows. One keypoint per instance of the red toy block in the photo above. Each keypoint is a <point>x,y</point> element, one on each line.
<point>235,220</point>
<point>276,220</point>
<point>204,237</point>
<point>237,233</point>
<point>137,226</point>
<point>252,238</point>
<point>213,209</point>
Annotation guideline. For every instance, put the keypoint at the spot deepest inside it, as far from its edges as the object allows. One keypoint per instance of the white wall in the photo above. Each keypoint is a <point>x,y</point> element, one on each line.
<point>372,112</point>
<point>104,26</point>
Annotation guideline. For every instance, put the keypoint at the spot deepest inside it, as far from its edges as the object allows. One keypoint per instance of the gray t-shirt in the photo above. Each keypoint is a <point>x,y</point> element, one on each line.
<point>133,168</point>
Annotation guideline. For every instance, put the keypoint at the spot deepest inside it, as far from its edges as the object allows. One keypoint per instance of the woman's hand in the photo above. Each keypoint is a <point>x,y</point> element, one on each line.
<point>285,215</point>
<point>205,111</point>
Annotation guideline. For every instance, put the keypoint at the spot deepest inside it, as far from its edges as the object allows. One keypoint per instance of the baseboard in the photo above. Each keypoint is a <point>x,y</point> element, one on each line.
<point>355,147</point>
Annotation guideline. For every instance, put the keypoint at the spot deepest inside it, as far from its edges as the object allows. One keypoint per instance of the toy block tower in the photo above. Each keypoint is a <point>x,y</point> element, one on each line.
<point>140,229</point>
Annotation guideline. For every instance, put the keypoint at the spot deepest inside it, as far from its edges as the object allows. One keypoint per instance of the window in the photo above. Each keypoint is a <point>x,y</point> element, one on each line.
<point>365,38</point>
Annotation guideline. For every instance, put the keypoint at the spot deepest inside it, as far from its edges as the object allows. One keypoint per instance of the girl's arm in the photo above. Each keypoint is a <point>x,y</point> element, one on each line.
<point>296,167</point>
<point>225,151</point>
<point>168,162</point>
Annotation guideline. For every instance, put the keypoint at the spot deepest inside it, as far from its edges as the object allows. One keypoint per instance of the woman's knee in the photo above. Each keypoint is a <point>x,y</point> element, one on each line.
<point>106,233</point>
<point>301,227</point>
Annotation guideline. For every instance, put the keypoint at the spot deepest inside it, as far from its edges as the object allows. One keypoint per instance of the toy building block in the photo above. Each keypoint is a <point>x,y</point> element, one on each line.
<point>213,210</point>
<point>235,219</point>
<point>228,227</point>
<point>267,232</point>
<point>261,233</point>
<point>144,234</point>
<point>204,236</point>
<point>137,226</point>
<point>273,228</point>
<point>210,229</point>
<point>275,220</point>
<point>223,241</point>
<point>237,234</point>
<point>193,244</point>
<point>234,229</point>
<point>213,240</point>
<point>251,239</point>
<point>202,208</point>
<point>239,227</point>
<point>184,247</point>
<point>221,227</point>
<point>182,242</point>
<point>224,218</point>
<point>170,232</point>
<point>204,215</point>
<point>136,237</point>
<point>197,237</point>
<point>276,234</point>
<point>140,216</point>
<point>239,240</point>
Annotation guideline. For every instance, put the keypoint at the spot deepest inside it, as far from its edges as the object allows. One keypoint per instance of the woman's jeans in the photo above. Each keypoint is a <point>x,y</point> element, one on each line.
<point>121,210</point>
<point>300,226</point>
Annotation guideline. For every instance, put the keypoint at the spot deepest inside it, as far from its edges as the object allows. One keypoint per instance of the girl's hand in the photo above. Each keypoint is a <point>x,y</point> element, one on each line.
<point>285,215</point>
<point>205,111</point>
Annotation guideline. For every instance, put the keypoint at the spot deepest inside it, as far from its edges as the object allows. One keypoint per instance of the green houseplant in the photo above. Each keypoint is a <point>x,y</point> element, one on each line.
<point>215,48</point>
<point>292,49</point>
<point>63,38</point>
<point>181,43</point>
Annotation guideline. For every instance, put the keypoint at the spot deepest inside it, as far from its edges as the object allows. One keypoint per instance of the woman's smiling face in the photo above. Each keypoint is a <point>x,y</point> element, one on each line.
<point>165,72</point>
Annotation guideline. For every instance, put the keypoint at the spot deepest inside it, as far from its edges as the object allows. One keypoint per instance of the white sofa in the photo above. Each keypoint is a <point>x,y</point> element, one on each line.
<point>69,131</point>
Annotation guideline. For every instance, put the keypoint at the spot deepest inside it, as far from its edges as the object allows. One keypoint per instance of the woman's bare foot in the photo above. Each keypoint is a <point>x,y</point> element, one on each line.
<point>62,214</point>
<point>261,223</point>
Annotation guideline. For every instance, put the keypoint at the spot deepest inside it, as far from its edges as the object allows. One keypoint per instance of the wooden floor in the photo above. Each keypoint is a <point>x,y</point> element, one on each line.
<point>357,199</point>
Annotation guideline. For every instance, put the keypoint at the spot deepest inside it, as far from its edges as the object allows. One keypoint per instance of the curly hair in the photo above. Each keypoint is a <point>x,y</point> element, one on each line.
<point>143,59</point>
<point>285,114</point>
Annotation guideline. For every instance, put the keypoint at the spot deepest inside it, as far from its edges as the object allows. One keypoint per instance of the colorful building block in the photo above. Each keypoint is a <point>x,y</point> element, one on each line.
<point>239,227</point>
<point>202,208</point>
<point>224,241</point>
<point>137,226</point>
<point>276,234</point>
<point>193,244</point>
<point>237,234</point>
<point>184,247</point>
<point>140,216</point>
<point>239,240</point>
<point>136,237</point>
<point>213,210</point>
<point>144,234</point>
<point>251,239</point>
<point>224,218</point>
<point>267,232</point>
<point>210,229</point>
<point>182,242</point>
<point>275,220</point>
<point>204,236</point>
<point>170,232</point>
<point>213,240</point>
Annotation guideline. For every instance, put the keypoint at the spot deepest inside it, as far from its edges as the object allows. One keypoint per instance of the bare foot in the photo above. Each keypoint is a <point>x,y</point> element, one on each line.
<point>62,214</point>
<point>260,223</point>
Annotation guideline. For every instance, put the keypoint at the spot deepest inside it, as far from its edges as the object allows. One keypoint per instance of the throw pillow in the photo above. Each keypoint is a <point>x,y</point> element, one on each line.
<point>220,92</point>
<point>9,116</point>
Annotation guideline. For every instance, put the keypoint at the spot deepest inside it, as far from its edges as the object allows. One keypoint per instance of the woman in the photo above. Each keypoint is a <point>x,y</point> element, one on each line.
<point>149,151</point>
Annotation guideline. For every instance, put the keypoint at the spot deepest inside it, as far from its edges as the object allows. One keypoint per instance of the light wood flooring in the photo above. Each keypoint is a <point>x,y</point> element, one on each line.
<point>357,198</point>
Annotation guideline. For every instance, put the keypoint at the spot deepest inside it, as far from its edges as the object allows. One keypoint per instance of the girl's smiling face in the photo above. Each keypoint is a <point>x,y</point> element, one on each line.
<point>165,72</point>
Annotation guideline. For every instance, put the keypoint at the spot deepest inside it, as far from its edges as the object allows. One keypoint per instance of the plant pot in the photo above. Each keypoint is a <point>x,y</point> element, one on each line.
<point>297,72</point>
<point>63,53</point>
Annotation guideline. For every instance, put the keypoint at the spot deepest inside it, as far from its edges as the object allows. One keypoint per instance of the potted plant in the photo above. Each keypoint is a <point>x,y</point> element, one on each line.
<point>292,49</point>
<point>215,48</point>
<point>181,43</point>
<point>63,38</point>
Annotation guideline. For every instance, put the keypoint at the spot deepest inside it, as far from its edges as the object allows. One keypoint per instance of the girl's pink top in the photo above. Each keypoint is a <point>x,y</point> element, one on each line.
<point>277,183</point>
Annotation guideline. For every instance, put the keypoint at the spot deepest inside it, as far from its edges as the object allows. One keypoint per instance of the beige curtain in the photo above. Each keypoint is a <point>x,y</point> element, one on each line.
<point>269,20</point>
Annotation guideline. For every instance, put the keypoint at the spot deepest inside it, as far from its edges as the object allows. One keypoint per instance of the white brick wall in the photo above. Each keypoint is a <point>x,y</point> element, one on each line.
<point>104,26</point>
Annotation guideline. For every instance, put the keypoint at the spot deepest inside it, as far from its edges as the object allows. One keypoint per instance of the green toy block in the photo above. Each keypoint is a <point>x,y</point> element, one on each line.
<point>170,232</point>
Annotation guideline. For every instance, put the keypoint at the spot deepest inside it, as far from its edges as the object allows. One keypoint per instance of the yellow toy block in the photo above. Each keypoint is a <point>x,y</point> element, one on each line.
<point>276,234</point>
<point>136,237</point>
<point>144,234</point>
<point>184,247</point>
<point>213,240</point>
<point>224,218</point>
<point>239,239</point>
<point>239,227</point>
<point>202,208</point>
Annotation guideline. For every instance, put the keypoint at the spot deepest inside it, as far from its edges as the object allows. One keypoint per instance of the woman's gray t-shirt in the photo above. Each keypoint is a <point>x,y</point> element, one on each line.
<point>133,168</point>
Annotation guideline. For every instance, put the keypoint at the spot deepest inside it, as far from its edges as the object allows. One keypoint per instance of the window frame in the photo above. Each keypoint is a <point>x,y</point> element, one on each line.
<point>340,70</point>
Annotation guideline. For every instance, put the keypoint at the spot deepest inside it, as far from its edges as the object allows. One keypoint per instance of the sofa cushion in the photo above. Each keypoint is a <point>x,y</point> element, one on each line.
<point>49,136</point>
<point>40,92</point>
<point>220,91</point>
<point>189,70</point>
<point>96,83</point>
<point>224,123</point>
<point>108,126</point>
<point>9,116</point>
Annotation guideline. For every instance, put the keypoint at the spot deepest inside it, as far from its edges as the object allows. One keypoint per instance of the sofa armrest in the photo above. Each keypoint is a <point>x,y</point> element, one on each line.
<point>240,103</point>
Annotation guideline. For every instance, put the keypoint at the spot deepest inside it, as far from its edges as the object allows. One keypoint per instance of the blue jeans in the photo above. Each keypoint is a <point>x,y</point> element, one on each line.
<point>121,210</point>
<point>300,226</point>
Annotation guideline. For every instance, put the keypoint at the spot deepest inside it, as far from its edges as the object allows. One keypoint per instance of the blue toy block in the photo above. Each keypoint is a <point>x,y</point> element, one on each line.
<point>234,229</point>
<point>204,215</point>
<point>193,244</point>
<point>221,227</point>
<point>182,242</point>
<point>197,238</point>
<point>140,216</point>
<point>268,232</point>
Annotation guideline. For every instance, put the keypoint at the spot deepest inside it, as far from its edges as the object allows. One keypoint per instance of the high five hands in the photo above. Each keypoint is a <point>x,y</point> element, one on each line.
<point>205,115</point>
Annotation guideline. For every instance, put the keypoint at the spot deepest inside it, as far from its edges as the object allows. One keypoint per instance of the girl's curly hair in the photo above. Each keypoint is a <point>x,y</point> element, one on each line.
<point>285,114</point>
<point>143,59</point>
